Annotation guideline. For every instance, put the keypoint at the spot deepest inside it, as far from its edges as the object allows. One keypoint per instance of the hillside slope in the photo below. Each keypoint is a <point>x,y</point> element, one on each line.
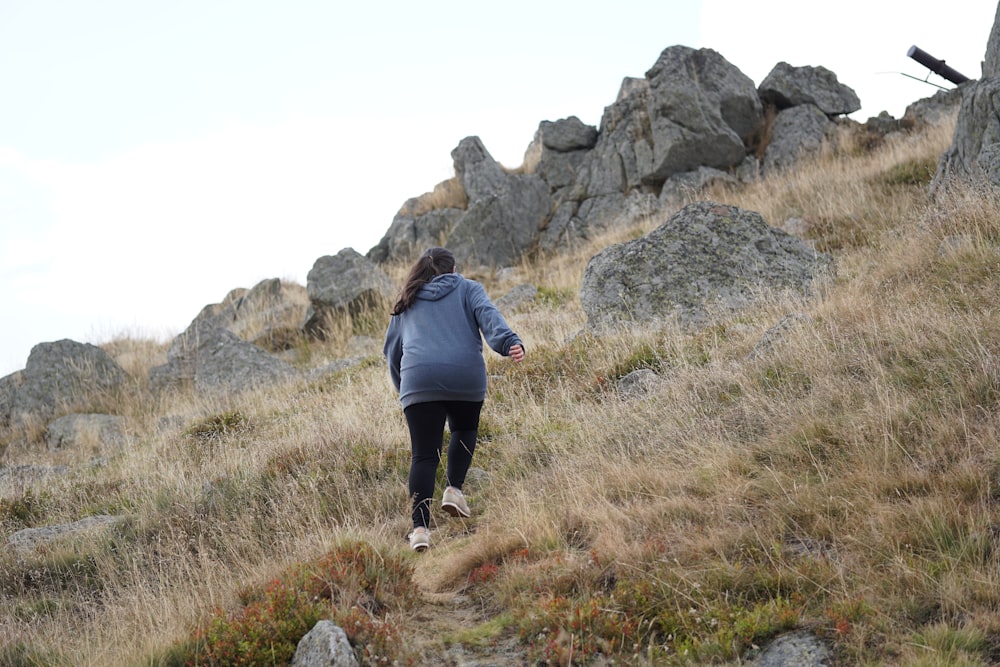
<point>843,481</point>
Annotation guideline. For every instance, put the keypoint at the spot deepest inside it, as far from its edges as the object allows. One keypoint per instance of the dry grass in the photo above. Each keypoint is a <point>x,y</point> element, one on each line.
<point>844,481</point>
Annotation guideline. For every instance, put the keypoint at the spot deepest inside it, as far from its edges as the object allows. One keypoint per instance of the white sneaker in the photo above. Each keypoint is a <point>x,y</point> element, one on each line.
<point>420,539</point>
<point>453,502</point>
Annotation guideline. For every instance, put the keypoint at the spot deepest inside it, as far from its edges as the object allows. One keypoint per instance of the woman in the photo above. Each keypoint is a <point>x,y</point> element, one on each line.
<point>434,350</point>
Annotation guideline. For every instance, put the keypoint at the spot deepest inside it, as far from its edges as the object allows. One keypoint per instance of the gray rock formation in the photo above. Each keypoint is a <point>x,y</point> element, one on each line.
<point>411,234</point>
<point>95,431</point>
<point>60,377</point>
<point>787,86</point>
<point>208,358</point>
<point>345,282</point>
<point>505,211</point>
<point>974,155</point>
<point>325,645</point>
<point>518,296</point>
<point>701,109</point>
<point>707,257</point>
<point>797,132</point>
<point>270,314</point>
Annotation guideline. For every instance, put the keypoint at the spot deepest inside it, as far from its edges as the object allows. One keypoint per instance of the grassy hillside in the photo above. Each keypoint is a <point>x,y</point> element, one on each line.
<point>845,481</point>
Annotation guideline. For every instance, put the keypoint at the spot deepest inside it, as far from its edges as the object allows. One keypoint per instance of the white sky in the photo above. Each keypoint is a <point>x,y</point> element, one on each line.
<point>154,156</point>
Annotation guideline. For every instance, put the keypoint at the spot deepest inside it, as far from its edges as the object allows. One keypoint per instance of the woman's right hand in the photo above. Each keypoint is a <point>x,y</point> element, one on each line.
<point>516,353</point>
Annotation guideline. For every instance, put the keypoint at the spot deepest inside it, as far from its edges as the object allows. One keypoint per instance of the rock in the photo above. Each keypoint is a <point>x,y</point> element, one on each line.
<point>797,132</point>
<point>409,235</point>
<point>568,134</point>
<point>210,359</point>
<point>345,282</point>
<point>974,155</point>
<point>30,473</point>
<point>794,649</point>
<point>325,645</point>
<point>516,297</point>
<point>27,540</point>
<point>940,107</point>
<point>60,377</point>
<point>624,149</point>
<point>638,383</point>
<point>269,315</point>
<point>701,108</point>
<point>96,431</point>
<point>787,86</point>
<point>499,230</point>
<point>704,258</point>
<point>688,185</point>
<point>481,176</point>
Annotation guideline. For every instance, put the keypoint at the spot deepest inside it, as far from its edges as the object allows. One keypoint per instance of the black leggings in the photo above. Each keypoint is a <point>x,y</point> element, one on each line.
<point>426,422</point>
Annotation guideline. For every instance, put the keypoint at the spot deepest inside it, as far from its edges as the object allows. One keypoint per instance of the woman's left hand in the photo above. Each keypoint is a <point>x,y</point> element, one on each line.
<point>516,353</point>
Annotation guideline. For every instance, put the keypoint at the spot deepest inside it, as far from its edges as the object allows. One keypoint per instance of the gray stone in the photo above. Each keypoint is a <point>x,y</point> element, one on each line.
<point>974,155</point>
<point>345,282</point>
<point>787,86</point>
<point>568,134</point>
<point>270,314</point>
<point>795,649</point>
<point>210,359</point>
<point>517,297</point>
<point>940,107</point>
<point>707,257</point>
<point>638,383</point>
<point>776,334</point>
<point>481,176</point>
<point>499,230</point>
<point>61,377</point>
<point>30,473</point>
<point>326,645</point>
<point>97,431</point>
<point>27,540</point>
<point>700,110</point>
<point>409,235</point>
<point>688,185</point>
<point>797,132</point>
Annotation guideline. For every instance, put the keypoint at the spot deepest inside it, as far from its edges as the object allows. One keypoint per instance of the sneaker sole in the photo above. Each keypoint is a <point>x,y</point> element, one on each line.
<point>455,510</point>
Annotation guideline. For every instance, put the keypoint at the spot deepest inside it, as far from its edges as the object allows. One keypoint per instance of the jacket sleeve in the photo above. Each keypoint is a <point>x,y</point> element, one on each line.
<point>393,350</point>
<point>497,333</point>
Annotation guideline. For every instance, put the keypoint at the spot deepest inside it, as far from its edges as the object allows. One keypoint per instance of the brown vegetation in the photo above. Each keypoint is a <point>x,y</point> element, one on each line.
<point>845,482</point>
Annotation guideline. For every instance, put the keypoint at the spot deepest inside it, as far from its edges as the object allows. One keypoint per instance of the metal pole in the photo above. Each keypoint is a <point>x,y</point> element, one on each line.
<point>936,66</point>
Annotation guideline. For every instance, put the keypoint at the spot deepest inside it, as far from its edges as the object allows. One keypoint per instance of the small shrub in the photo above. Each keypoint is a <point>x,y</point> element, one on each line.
<point>219,426</point>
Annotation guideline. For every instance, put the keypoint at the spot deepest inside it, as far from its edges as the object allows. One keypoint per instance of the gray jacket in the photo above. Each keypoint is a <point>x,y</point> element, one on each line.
<point>434,348</point>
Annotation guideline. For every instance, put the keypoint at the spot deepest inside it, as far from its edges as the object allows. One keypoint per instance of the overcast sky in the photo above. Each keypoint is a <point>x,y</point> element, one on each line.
<point>155,155</point>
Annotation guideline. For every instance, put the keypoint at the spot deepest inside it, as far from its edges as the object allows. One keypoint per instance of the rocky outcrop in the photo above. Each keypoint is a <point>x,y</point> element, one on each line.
<point>706,258</point>
<point>974,155</point>
<point>208,358</point>
<point>270,314</point>
<point>60,377</point>
<point>345,282</point>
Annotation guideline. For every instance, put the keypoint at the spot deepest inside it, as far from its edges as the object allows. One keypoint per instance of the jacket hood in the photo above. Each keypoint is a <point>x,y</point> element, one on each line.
<point>440,286</point>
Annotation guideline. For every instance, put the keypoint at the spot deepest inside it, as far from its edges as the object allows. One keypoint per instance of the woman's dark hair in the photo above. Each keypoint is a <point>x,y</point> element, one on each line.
<point>434,262</point>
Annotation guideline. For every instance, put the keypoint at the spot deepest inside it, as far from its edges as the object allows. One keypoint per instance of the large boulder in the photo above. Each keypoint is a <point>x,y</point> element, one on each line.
<point>346,282</point>
<point>422,222</point>
<point>270,314</point>
<point>701,110</point>
<point>797,132</point>
<point>557,152</point>
<point>209,359</point>
<point>704,259</point>
<point>60,377</point>
<point>787,86</point>
<point>974,155</point>
<point>623,154</point>
<point>505,211</point>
